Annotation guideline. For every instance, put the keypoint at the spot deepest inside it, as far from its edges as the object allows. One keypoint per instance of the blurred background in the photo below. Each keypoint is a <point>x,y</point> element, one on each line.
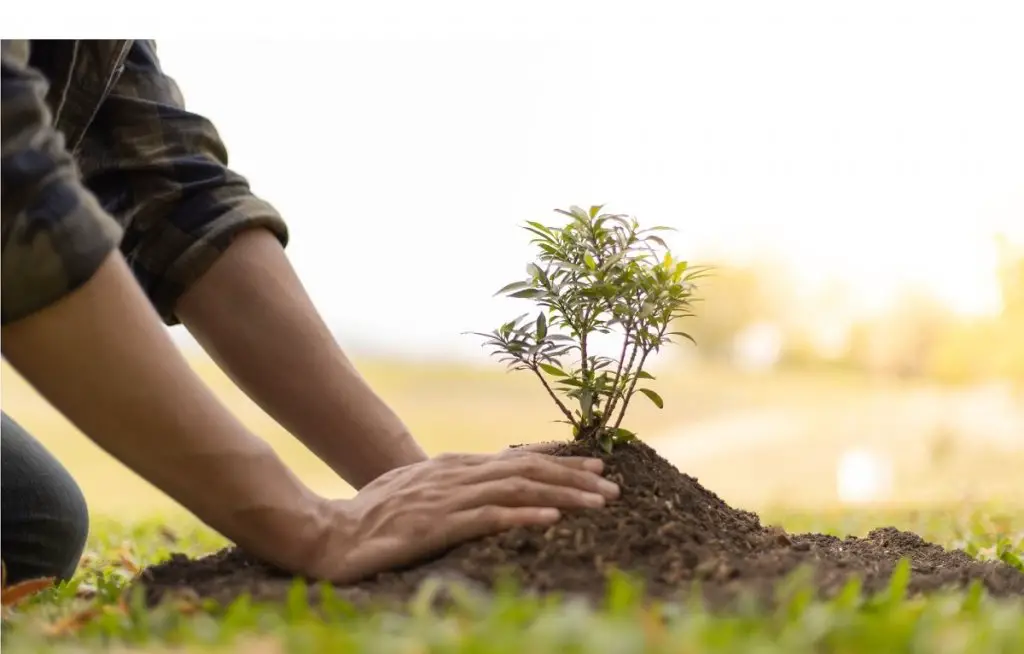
<point>854,173</point>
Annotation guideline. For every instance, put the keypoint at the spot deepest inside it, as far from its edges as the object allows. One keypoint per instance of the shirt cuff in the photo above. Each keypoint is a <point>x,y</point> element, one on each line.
<point>53,245</point>
<point>247,212</point>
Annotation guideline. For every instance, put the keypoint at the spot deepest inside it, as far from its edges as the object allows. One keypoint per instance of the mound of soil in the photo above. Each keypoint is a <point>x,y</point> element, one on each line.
<point>665,529</point>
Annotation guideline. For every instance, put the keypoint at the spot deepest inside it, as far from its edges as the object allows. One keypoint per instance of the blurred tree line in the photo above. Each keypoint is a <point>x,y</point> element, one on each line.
<point>920,337</point>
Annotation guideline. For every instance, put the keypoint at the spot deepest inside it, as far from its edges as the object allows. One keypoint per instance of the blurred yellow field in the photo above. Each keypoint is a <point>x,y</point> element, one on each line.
<point>759,441</point>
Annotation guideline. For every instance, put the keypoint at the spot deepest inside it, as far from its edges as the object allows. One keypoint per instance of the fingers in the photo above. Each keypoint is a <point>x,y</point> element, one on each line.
<point>547,470</point>
<point>487,520</point>
<point>579,462</point>
<point>524,451</point>
<point>523,492</point>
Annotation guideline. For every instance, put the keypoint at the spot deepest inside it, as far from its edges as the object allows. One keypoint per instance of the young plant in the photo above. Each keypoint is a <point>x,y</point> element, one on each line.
<point>597,274</point>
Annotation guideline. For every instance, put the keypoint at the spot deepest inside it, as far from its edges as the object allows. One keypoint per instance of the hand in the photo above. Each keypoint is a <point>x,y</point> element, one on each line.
<point>419,510</point>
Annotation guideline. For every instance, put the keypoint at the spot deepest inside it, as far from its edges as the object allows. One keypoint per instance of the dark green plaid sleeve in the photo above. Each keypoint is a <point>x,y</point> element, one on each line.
<point>162,171</point>
<point>55,233</point>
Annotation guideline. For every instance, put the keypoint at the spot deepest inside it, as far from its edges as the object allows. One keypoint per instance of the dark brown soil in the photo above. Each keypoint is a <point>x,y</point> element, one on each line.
<point>666,529</point>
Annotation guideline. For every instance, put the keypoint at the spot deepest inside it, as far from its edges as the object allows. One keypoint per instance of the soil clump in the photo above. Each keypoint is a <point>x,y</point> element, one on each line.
<point>665,529</point>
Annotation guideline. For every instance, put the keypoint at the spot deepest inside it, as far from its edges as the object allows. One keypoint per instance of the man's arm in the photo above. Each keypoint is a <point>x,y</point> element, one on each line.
<point>77,327</point>
<point>195,225</point>
<point>252,314</point>
<point>153,414</point>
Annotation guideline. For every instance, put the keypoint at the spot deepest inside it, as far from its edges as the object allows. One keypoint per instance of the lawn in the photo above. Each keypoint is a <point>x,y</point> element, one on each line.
<point>92,614</point>
<point>787,477</point>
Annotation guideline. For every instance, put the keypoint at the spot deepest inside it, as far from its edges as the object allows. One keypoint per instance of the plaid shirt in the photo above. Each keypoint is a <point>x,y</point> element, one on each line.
<point>99,152</point>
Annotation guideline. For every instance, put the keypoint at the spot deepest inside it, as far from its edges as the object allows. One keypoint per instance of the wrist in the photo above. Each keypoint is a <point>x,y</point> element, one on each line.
<point>321,550</point>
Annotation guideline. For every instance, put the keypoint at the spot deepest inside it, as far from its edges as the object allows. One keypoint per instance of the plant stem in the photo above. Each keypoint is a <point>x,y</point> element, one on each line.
<point>610,406</point>
<point>583,346</point>
<point>627,396</point>
<point>625,372</point>
<point>547,387</point>
<point>632,387</point>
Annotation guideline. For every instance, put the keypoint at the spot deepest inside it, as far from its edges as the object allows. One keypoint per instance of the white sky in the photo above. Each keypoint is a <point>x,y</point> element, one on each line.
<point>882,142</point>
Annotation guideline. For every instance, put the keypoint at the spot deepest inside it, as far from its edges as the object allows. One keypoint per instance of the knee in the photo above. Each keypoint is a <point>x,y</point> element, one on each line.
<point>46,537</point>
<point>45,517</point>
<point>74,531</point>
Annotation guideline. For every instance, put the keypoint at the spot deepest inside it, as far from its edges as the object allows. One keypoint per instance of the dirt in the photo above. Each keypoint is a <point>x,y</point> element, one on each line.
<point>665,529</point>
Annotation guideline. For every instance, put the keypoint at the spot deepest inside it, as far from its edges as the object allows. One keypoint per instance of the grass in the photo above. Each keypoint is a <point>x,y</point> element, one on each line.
<point>93,613</point>
<point>473,409</point>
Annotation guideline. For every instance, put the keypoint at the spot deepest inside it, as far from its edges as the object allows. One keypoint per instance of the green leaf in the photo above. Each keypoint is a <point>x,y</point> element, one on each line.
<point>578,213</point>
<point>543,236</point>
<point>896,591</point>
<point>684,335</point>
<point>658,228</point>
<point>623,435</point>
<point>594,210</point>
<point>642,374</point>
<point>654,397</point>
<point>612,260</point>
<point>974,597</point>
<point>575,383</point>
<point>606,442</point>
<point>1009,558</point>
<point>657,239</point>
<point>529,293</point>
<point>554,371</point>
<point>542,327</point>
<point>589,260</point>
<point>849,597</point>
<point>533,270</point>
<point>514,286</point>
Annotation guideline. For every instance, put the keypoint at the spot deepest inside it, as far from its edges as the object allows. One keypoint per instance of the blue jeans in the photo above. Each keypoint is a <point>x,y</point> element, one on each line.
<point>43,515</point>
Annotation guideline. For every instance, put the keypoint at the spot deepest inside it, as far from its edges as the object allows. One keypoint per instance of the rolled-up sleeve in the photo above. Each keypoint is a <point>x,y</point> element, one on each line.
<point>55,232</point>
<point>163,171</point>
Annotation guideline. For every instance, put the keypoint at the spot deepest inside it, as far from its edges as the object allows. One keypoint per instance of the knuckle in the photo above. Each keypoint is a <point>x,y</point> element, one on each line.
<point>420,526</point>
<point>519,485</point>
<point>532,466</point>
<point>493,516</point>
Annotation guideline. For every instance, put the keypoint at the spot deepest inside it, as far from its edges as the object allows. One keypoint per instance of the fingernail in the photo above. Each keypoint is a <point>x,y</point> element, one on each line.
<point>607,488</point>
<point>548,515</point>
<point>593,500</point>
<point>594,465</point>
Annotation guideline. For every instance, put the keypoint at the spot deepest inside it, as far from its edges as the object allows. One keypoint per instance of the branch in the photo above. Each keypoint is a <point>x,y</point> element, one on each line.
<point>632,386</point>
<point>615,395</point>
<point>628,396</point>
<point>583,346</point>
<point>610,406</point>
<point>547,387</point>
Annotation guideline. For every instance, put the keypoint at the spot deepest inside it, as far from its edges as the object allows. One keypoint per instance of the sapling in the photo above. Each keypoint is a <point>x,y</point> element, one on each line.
<point>599,273</point>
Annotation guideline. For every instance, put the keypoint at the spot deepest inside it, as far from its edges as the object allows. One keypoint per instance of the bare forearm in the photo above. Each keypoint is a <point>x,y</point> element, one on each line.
<point>251,313</point>
<point>101,357</point>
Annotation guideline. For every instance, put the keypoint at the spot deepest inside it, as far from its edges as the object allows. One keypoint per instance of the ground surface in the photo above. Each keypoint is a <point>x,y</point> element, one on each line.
<point>93,613</point>
<point>724,439</point>
<point>666,529</point>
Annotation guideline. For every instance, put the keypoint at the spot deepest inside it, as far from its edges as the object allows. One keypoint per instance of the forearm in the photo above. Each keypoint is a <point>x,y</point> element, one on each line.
<point>251,313</point>
<point>101,356</point>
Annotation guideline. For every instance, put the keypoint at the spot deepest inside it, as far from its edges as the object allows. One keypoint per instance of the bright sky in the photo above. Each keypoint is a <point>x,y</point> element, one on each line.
<point>881,142</point>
